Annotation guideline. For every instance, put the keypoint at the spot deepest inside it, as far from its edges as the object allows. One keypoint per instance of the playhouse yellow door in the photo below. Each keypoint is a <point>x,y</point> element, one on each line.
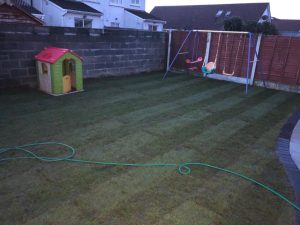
<point>67,83</point>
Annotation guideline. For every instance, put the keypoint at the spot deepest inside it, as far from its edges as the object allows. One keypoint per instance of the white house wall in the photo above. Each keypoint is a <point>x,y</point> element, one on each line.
<point>53,13</point>
<point>133,21</point>
<point>141,6</point>
<point>104,5</point>
<point>114,14</point>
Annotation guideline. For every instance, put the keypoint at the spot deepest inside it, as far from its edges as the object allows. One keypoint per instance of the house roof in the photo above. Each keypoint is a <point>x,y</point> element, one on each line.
<point>13,13</point>
<point>287,25</point>
<point>25,6</point>
<point>142,14</point>
<point>76,6</point>
<point>206,16</point>
<point>52,54</point>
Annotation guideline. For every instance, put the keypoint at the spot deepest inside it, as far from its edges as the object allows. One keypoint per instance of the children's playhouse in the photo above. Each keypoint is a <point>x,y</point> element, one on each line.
<point>59,71</point>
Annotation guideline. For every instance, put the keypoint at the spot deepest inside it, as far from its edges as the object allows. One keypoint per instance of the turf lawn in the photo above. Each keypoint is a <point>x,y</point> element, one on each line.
<point>142,119</point>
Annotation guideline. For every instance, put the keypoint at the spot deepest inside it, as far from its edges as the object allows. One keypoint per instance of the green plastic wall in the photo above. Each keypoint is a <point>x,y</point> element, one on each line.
<point>57,74</point>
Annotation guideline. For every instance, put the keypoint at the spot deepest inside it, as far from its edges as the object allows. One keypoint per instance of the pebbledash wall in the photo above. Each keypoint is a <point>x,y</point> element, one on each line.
<point>105,52</point>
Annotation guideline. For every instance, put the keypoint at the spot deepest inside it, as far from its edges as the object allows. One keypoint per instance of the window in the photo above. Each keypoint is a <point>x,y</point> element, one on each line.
<point>228,13</point>
<point>135,2</point>
<point>219,13</point>
<point>115,2</point>
<point>83,23</point>
<point>78,22</point>
<point>115,24</point>
<point>44,69</point>
<point>152,27</point>
<point>87,23</point>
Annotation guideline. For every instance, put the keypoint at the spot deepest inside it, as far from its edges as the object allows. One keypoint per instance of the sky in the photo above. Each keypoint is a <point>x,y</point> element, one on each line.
<point>282,9</point>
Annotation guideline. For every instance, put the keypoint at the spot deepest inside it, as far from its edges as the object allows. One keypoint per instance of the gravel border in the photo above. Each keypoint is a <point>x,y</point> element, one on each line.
<point>283,152</point>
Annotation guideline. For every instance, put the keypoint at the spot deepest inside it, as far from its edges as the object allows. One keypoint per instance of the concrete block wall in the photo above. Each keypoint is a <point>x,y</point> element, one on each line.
<point>105,52</point>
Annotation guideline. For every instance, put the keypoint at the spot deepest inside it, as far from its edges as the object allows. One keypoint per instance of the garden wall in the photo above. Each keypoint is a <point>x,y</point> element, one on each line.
<point>105,52</point>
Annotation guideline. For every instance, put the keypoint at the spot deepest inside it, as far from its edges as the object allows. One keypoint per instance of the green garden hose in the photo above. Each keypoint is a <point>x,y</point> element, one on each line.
<point>183,168</point>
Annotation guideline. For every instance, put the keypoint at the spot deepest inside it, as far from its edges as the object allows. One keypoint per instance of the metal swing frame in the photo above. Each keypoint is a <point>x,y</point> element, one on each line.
<point>245,81</point>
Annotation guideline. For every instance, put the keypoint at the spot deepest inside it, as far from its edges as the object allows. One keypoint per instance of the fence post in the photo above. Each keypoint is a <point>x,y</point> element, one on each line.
<point>208,43</point>
<point>254,65</point>
<point>249,62</point>
<point>169,49</point>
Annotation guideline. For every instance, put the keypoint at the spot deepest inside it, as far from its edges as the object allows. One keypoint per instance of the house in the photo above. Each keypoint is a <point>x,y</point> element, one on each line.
<point>12,12</point>
<point>97,14</point>
<point>210,17</point>
<point>66,13</point>
<point>287,27</point>
<point>126,14</point>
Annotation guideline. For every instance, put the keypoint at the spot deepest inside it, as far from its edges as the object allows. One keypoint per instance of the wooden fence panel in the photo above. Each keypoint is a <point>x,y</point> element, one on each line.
<point>280,60</point>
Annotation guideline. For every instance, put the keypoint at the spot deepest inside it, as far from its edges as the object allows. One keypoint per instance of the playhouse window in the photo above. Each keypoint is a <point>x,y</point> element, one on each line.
<point>44,68</point>
<point>69,67</point>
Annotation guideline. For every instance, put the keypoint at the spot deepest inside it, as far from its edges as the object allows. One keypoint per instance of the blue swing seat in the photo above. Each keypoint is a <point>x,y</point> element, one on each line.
<point>207,71</point>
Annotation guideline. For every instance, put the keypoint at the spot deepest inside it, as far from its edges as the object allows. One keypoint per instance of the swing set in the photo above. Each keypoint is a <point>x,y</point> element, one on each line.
<point>212,68</point>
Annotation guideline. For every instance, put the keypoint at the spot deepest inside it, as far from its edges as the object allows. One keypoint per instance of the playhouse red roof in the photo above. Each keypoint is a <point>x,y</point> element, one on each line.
<point>52,54</point>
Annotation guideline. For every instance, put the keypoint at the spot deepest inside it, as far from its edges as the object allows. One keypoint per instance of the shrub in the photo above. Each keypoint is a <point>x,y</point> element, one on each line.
<point>237,24</point>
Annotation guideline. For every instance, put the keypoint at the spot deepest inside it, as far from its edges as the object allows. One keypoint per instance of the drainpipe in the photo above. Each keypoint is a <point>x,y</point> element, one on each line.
<point>63,17</point>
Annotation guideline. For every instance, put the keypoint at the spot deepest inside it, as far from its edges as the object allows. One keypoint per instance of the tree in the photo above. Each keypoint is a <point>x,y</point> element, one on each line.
<point>233,24</point>
<point>251,26</point>
<point>267,28</point>
<point>237,24</point>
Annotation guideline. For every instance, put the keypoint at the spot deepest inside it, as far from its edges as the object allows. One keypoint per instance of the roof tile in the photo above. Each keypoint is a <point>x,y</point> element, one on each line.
<point>76,6</point>
<point>142,14</point>
<point>287,25</point>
